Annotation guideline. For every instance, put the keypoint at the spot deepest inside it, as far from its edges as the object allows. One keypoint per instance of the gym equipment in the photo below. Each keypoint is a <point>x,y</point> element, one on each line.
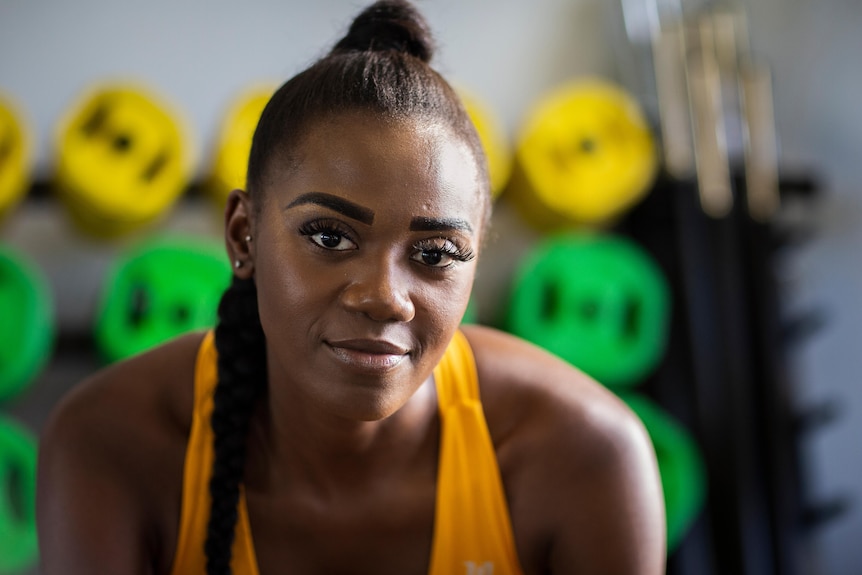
<point>15,157</point>
<point>470,314</point>
<point>27,325</point>
<point>497,148</point>
<point>159,290</point>
<point>585,155</point>
<point>683,477</point>
<point>599,302</point>
<point>19,549</point>
<point>234,144</point>
<point>122,160</point>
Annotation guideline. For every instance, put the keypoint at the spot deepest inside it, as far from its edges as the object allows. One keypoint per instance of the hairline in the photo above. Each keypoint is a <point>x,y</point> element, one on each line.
<point>290,160</point>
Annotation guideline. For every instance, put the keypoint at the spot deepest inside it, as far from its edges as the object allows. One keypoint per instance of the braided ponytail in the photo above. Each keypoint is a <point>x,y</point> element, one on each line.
<point>241,381</point>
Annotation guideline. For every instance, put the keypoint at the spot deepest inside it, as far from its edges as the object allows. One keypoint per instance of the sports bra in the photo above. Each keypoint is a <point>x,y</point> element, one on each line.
<point>472,528</point>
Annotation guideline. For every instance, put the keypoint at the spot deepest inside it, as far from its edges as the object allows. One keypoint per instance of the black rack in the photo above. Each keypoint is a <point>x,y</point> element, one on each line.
<point>724,377</point>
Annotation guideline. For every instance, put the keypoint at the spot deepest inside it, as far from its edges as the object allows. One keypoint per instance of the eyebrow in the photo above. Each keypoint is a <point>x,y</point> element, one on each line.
<point>335,203</point>
<point>421,224</point>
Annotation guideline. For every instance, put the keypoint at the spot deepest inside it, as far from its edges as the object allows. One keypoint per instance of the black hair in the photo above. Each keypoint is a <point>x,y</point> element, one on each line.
<point>242,376</point>
<point>381,66</point>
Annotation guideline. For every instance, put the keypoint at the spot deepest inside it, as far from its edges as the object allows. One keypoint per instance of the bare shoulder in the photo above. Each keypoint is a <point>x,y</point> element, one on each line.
<point>110,461</point>
<point>525,386</point>
<point>577,464</point>
<point>153,388</point>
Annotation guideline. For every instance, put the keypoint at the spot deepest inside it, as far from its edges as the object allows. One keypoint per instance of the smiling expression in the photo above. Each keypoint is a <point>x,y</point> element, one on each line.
<point>364,257</point>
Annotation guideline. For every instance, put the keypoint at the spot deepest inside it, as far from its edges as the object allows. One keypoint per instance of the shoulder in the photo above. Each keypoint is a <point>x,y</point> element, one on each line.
<point>154,388</point>
<point>576,462</point>
<point>525,386</point>
<point>111,453</point>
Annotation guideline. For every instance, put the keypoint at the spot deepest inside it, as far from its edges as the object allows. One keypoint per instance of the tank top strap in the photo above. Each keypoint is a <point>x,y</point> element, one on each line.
<point>455,374</point>
<point>195,509</point>
<point>472,528</point>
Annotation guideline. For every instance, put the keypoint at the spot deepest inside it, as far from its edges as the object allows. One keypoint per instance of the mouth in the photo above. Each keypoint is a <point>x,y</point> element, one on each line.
<point>368,355</point>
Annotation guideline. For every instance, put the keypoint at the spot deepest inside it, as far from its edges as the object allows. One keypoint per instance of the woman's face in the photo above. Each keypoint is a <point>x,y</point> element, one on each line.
<point>364,257</point>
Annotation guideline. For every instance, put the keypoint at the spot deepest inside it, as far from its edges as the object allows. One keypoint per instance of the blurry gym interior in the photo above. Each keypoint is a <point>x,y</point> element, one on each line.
<point>679,213</point>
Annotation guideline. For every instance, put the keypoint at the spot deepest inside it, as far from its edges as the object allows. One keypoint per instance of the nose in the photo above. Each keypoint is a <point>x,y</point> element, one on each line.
<point>379,290</point>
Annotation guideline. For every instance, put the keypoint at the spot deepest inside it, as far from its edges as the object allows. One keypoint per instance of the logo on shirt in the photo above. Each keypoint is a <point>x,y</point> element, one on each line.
<point>473,568</point>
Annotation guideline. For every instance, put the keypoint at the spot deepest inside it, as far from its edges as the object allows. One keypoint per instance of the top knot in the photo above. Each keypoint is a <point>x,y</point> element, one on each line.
<point>389,25</point>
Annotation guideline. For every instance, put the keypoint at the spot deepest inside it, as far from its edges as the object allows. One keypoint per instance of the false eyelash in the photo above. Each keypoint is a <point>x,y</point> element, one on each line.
<point>325,225</point>
<point>449,248</point>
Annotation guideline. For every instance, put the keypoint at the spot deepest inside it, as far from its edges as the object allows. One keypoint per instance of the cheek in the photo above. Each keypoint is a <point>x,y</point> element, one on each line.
<point>284,293</point>
<point>450,303</point>
<point>444,306</point>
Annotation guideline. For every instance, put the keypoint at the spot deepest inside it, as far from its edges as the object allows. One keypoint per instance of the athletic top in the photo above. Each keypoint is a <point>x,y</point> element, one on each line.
<point>472,528</point>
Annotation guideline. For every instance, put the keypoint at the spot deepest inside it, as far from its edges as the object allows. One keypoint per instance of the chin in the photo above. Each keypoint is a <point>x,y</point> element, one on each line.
<point>369,404</point>
<point>368,412</point>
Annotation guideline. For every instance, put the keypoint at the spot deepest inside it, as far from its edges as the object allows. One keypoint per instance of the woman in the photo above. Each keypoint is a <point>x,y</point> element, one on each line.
<point>338,413</point>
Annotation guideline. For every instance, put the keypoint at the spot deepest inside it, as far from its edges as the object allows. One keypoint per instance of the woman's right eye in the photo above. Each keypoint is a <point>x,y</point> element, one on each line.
<point>332,240</point>
<point>328,235</point>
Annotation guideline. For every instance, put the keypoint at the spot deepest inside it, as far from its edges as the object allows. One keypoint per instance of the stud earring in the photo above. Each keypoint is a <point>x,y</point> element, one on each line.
<point>237,264</point>
<point>247,239</point>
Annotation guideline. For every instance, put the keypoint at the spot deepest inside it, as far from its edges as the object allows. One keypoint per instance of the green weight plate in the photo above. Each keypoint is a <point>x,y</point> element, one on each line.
<point>18,542</point>
<point>599,302</point>
<point>680,464</point>
<point>471,315</point>
<point>26,329</point>
<point>158,291</point>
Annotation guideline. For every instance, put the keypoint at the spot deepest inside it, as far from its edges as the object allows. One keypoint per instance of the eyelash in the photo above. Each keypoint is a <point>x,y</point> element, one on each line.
<point>331,227</point>
<point>448,248</point>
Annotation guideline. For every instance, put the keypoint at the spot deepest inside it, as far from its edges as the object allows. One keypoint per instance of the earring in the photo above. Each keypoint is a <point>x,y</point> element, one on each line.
<point>247,239</point>
<point>237,264</point>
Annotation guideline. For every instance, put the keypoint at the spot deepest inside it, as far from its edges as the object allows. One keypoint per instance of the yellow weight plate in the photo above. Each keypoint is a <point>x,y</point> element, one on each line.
<point>122,159</point>
<point>234,143</point>
<point>15,157</point>
<point>497,148</point>
<point>584,157</point>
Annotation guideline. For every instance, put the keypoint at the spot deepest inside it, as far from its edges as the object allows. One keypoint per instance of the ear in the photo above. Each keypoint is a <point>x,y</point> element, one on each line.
<point>238,234</point>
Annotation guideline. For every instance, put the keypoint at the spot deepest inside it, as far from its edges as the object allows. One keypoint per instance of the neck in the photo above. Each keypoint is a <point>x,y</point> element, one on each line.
<point>293,443</point>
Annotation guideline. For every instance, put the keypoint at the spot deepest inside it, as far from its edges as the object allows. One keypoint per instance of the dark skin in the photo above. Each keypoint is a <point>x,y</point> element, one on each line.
<point>343,453</point>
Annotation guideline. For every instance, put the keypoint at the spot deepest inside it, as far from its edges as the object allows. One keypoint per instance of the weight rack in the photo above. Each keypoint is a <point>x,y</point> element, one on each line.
<point>713,223</point>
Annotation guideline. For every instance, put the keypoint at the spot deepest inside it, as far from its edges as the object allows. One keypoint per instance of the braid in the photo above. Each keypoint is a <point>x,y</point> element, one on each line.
<point>241,381</point>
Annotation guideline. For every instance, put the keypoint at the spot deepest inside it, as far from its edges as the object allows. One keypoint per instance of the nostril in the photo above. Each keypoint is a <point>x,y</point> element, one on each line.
<point>378,303</point>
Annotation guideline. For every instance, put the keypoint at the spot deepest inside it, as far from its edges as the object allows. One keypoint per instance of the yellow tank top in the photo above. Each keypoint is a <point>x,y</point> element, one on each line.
<point>472,528</point>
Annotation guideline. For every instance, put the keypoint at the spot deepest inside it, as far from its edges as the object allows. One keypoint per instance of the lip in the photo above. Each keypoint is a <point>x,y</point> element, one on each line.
<point>368,355</point>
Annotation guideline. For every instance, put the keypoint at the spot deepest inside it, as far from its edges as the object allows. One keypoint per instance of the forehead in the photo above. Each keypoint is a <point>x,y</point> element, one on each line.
<point>419,168</point>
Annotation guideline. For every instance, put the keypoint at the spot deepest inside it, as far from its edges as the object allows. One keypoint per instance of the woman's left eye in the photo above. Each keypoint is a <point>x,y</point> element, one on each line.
<point>434,258</point>
<point>439,255</point>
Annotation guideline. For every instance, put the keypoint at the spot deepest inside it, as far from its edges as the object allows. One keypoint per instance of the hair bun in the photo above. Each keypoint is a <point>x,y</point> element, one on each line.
<point>389,25</point>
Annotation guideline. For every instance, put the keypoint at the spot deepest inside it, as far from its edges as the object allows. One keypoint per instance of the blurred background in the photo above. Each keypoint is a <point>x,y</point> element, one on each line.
<point>677,213</point>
